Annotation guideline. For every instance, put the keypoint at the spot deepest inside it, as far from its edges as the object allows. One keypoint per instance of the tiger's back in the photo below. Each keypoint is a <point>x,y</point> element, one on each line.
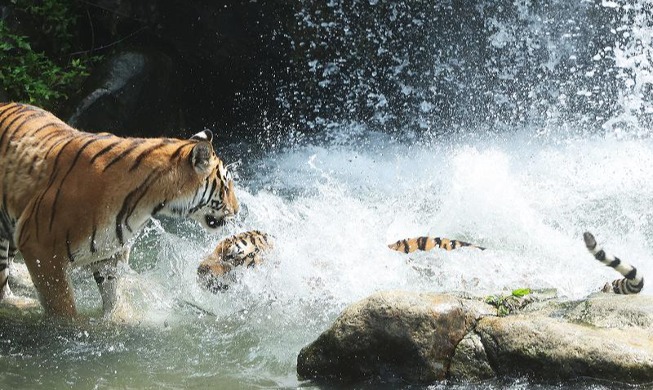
<point>71,197</point>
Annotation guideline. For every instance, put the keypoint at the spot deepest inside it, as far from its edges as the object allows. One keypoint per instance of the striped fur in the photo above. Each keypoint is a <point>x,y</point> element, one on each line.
<point>632,283</point>
<point>243,249</point>
<point>426,243</point>
<point>75,198</point>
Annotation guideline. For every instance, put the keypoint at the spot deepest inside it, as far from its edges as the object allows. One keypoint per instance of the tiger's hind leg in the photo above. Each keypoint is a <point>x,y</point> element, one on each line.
<point>50,278</point>
<point>106,277</point>
<point>5,263</point>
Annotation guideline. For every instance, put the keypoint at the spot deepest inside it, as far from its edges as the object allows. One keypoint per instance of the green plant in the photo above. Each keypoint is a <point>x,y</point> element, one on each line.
<point>507,304</point>
<point>37,66</point>
<point>31,76</point>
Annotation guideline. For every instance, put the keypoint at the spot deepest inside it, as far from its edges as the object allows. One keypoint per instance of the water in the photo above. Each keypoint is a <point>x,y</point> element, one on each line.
<point>332,205</point>
<point>516,126</point>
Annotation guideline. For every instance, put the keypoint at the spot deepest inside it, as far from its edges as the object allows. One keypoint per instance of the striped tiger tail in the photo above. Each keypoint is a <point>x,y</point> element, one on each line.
<point>426,243</point>
<point>631,283</point>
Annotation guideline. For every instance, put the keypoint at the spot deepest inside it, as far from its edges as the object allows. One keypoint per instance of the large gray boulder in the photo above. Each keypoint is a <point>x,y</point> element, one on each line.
<point>422,338</point>
<point>407,335</point>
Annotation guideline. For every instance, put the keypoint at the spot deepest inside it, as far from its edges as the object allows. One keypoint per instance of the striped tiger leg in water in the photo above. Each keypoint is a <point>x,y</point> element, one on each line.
<point>6,257</point>
<point>106,275</point>
<point>426,243</point>
<point>631,283</point>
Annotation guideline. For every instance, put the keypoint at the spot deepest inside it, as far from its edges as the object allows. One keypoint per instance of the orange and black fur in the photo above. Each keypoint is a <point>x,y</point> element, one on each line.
<point>72,198</point>
<point>631,283</point>
<point>426,243</point>
<point>243,249</point>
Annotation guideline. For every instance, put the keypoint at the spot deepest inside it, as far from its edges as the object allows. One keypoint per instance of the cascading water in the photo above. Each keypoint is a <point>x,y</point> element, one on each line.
<point>515,126</point>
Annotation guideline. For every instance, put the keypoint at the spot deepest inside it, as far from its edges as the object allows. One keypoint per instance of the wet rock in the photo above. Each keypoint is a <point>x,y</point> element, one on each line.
<point>130,94</point>
<point>613,311</point>
<point>422,338</point>
<point>396,334</point>
<point>470,362</point>
<point>550,348</point>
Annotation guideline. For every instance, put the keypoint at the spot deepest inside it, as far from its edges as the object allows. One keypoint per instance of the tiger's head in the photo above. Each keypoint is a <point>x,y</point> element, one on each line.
<point>215,201</point>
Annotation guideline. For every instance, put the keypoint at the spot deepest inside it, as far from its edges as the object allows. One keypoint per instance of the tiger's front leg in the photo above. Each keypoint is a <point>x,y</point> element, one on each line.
<point>106,276</point>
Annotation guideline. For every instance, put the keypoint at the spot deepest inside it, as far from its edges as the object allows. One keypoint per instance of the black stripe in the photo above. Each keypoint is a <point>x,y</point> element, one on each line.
<point>34,132</point>
<point>147,152</point>
<point>619,286</point>
<point>615,263</point>
<point>158,208</point>
<point>8,127</point>
<point>438,242</point>
<point>135,144</point>
<point>421,243</point>
<point>93,248</point>
<point>3,266</point>
<point>206,188</point>
<point>631,275</point>
<point>41,142</point>
<point>179,149</point>
<point>67,142</point>
<point>61,183</point>
<point>71,258</point>
<point>129,204</point>
<point>600,255</point>
<point>7,225</point>
<point>15,132</point>
<point>406,247</point>
<point>151,179</point>
<point>9,114</point>
<point>105,150</point>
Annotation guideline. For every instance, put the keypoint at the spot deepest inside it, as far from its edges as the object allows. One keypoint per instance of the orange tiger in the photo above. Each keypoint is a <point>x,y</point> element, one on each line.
<point>243,249</point>
<point>71,198</point>
<point>409,245</point>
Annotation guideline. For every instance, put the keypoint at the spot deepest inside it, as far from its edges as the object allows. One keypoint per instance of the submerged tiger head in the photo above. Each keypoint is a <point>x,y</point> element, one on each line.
<point>215,201</point>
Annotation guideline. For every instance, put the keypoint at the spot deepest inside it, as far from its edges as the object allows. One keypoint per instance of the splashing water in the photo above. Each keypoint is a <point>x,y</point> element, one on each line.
<point>332,207</point>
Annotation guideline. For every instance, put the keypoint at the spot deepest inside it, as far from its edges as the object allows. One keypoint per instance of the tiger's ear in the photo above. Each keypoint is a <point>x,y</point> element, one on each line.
<point>204,135</point>
<point>200,157</point>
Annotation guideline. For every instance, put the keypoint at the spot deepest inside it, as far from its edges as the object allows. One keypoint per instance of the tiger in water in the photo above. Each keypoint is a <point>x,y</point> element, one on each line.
<point>243,249</point>
<point>631,283</point>
<point>71,198</point>
<point>426,243</point>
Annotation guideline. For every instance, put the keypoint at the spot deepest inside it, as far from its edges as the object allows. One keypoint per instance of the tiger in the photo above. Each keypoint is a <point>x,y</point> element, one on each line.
<point>243,249</point>
<point>426,243</point>
<point>631,283</point>
<point>72,198</point>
